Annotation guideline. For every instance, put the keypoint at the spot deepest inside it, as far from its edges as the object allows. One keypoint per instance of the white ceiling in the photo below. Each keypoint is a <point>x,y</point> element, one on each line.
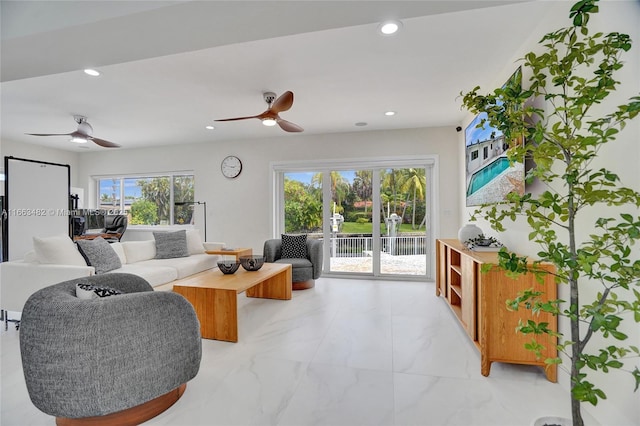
<point>170,68</point>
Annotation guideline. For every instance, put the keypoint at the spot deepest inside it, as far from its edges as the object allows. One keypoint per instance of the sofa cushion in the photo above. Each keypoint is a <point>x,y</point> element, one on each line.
<point>99,254</point>
<point>170,245</point>
<point>88,291</point>
<point>137,251</point>
<point>194,242</point>
<point>185,266</point>
<point>58,249</point>
<point>155,275</point>
<point>301,269</point>
<point>294,246</point>
<point>119,249</point>
<point>31,257</point>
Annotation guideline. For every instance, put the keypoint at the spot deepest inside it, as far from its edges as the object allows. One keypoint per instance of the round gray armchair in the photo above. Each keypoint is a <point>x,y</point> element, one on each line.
<point>121,359</point>
<point>304,269</point>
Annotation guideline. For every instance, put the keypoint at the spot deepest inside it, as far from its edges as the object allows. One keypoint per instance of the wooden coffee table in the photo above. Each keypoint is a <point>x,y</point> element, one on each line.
<point>214,295</point>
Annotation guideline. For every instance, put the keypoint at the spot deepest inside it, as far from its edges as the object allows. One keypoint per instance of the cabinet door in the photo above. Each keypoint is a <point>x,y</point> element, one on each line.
<point>469,278</point>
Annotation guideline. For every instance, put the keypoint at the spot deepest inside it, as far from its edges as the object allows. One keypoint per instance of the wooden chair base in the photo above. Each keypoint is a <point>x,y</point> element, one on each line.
<point>131,416</point>
<point>303,285</point>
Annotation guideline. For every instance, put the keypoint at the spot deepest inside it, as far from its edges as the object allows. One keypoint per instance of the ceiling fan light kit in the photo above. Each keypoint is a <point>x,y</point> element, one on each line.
<point>270,117</point>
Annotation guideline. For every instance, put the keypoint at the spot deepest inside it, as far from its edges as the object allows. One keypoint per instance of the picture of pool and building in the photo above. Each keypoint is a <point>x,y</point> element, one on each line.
<point>489,178</point>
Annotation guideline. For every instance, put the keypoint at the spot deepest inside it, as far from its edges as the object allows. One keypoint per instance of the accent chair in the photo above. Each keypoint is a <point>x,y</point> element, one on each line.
<point>121,359</point>
<point>306,267</point>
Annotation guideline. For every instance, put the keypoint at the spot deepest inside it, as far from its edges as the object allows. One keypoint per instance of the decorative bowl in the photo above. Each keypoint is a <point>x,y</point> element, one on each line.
<point>228,266</point>
<point>252,263</point>
<point>484,242</point>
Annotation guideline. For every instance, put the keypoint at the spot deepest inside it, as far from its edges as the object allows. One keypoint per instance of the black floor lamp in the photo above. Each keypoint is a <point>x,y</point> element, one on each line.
<point>191,203</point>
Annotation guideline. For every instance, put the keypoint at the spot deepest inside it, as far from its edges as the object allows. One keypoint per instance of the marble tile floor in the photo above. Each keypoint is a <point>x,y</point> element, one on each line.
<point>347,352</point>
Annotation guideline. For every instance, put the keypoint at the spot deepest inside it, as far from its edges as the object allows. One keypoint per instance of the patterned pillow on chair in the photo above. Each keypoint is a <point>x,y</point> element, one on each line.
<point>294,246</point>
<point>88,291</point>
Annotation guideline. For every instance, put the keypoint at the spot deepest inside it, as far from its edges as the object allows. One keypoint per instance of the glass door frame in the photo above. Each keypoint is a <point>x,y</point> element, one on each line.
<point>428,162</point>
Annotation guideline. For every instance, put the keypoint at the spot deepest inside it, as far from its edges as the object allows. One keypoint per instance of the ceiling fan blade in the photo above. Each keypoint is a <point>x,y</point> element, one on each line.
<point>50,134</point>
<point>103,143</point>
<point>238,118</point>
<point>283,103</point>
<point>288,126</point>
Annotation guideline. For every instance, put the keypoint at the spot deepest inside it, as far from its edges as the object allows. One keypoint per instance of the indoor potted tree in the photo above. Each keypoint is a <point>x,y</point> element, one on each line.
<point>558,117</point>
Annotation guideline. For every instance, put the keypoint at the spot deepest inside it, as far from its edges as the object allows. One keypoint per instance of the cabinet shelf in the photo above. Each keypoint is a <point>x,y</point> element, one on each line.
<point>457,290</point>
<point>456,310</point>
<point>478,301</point>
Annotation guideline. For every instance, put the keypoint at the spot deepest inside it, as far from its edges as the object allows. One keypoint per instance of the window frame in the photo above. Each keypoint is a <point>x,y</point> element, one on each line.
<point>171,175</point>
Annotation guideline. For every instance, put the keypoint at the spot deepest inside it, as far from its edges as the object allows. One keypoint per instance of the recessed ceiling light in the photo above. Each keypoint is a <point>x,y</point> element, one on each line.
<point>390,113</point>
<point>361,123</point>
<point>390,27</point>
<point>92,72</point>
<point>209,127</point>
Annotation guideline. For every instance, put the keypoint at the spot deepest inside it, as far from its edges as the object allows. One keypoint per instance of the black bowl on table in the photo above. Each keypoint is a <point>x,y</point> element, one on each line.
<point>228,266</point>
<point>252,263</point>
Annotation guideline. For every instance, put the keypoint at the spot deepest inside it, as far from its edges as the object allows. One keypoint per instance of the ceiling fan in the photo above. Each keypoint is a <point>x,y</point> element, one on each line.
<point>270,117</point>
<point>82,135</point>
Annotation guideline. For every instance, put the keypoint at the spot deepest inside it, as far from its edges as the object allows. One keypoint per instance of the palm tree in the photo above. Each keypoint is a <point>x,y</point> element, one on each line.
<point>363,185</point>
<point>390,180</point>
<point>414,182</point>
<point>339,185</point>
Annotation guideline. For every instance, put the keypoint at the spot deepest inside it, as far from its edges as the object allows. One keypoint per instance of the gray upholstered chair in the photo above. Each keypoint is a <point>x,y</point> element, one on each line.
<point>304,271</point>
<point>121,359</point>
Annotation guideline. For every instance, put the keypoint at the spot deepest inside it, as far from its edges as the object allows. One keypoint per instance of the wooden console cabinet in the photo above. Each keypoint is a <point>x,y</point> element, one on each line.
<point>478,300</point>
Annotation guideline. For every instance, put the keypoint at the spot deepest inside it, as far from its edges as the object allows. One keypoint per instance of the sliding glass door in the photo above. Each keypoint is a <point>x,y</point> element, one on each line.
<point>374,220</point>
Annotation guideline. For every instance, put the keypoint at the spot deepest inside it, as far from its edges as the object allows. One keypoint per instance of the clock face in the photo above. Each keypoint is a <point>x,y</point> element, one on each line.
<point>231,166</point>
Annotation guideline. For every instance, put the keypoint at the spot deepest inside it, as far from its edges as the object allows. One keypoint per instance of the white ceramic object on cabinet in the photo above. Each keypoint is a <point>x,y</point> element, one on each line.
<point>468,232</point>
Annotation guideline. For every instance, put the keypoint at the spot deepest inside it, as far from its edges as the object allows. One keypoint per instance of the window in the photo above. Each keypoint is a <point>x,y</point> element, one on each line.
<point>474,155</point>
<point>162,199</point>
<point>485,153</point>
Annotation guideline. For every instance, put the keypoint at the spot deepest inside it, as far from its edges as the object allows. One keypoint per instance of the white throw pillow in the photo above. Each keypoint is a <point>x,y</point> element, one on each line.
<point>137,251</point>
<point>194,242</point>
<point>59,250</point>
<point>119,249</point>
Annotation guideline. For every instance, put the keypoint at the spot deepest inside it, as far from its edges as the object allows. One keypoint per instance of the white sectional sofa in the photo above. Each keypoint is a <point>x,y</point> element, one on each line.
<point>21,278</point>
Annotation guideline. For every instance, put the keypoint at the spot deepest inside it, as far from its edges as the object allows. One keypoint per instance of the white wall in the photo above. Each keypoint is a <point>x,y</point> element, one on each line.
<point>622,157</point>
<point>239,211</point>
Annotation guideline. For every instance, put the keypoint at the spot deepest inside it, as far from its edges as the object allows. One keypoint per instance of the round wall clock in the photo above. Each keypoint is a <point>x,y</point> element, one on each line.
<point>231,166</point>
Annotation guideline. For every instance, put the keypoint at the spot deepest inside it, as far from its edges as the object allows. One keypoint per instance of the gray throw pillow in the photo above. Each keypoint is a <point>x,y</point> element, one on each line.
<point>294,246</point>
<point>171,244</point>
<point>99,254</point>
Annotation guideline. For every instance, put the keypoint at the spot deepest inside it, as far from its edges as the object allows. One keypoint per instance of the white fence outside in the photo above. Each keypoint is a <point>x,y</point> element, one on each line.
<point>363,246</point>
